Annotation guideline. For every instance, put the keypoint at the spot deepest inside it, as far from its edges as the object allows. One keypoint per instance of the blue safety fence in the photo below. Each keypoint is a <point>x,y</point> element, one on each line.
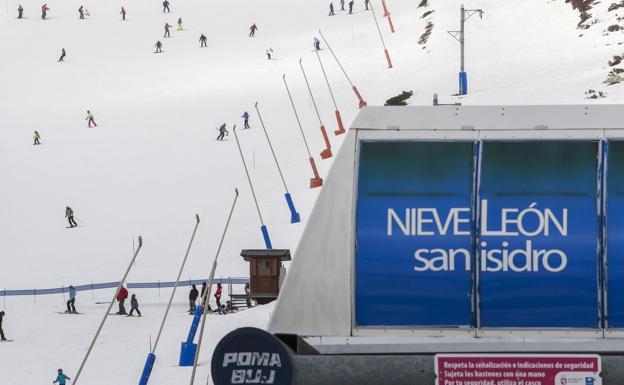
<point>130,285</point>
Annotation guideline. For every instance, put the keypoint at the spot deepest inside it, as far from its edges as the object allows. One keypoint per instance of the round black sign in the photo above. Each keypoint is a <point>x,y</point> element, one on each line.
<point>251,356</point>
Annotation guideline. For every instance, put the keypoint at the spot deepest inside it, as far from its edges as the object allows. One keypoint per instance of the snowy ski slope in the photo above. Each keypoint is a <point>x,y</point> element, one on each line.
<point>153,161</point>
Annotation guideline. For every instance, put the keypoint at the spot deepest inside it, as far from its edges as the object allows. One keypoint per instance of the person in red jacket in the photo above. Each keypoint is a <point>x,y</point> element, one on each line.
<point>167,26</point>
<point>121,297</point>
<point>44,11</point>
<point>217,295</point>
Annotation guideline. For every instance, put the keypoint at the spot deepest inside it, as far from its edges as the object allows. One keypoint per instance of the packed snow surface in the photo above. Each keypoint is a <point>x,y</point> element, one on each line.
<point>153,161</point>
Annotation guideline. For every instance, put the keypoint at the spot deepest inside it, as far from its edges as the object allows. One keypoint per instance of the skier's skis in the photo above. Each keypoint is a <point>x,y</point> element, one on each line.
<point>68,313</point>
<point>6,340</point>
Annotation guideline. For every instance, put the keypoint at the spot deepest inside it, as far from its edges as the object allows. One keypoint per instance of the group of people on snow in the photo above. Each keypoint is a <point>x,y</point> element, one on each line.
<point>342,6</point>
<point>194,294</point>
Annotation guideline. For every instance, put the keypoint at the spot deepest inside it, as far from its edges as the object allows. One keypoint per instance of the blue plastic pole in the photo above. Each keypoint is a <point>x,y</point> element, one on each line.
<point>265,235</point>
<point>294,215</point>
<point>147,369</point>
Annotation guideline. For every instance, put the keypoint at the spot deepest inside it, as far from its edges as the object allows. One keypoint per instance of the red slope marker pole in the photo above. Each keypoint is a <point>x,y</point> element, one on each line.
<point>340,129</point>
<point>327,152</point>
<point>317,181</point>
<point>361,102</point>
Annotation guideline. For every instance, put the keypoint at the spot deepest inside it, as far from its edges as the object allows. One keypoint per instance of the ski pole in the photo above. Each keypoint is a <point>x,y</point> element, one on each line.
<point>110,306</point>
<point>294,215</point>
<point>209,288</point>
<point>326,153</point>
<point>317,181</point>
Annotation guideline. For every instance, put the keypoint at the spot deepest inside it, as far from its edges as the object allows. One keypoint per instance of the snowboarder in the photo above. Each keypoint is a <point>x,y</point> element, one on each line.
<point>37,137</point>
<point>217,295</point>
<point>202,41</point>
<point>90,119</point>
<point>245,117</point>
<point>179,24</point>
<point>317,44</point>
<point>350,7</point>
<point>222,132</point>
<point>253,30</point>
<point>134,305</point>
<point>2,337</point>
<point>342,5</point>
<point>121,298</point>
<point>44,11</point>
<point>61,378</point>
<point>123,13</point>
<point>366,4</point>
<point>166,6</point>
<point>63,54</point>
<point>81,11</point>
<point>20,11</point>
<point>167,26</point>
<point>331,9</point>
<point>69,214</point>
<point>71,307</point>
<point>193,294</point>
<point>158,47</point>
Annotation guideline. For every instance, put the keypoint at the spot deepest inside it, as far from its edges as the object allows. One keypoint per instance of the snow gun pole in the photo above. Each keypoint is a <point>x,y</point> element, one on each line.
<point>151,357</point>
<point>294,215</point>
<point>381,37</point>
<point>362,103</point>
<point>208,289</point>
<point>110,306</point>
<point>340,129</point>
<point>263,228</point>
<point>387,14</point>
<point>326,153</point>
<point>317,181</point>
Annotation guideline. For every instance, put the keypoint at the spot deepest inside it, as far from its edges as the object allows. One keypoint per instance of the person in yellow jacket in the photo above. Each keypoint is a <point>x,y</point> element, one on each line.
<point>37,137</point>
<point>179,24</point>
<point>90,119</point>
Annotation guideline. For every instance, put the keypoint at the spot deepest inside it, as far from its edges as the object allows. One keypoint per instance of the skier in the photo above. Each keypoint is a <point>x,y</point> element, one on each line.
<point>202,41</point>
<point>69,214</point>
<point>222,132</point>
<point>331,9</point>
<point>37,137</point>
<point>44,11</point>
<point>245,117</point>
<point>71,307</point>
<point>123,13</point>
<point>166,6</point>
<point>134,305</point>
<point>20,10</point>
<point>121,298</point>
<point>342,5</point>
<point>366,4</point>
<point>217,295</point>
<point>61,378</point>
<point>2,337</point>
<point>81,11</point>
<point>247,292</point>
<point>90,119</point>
<point>350,7</point>
<point>193,294</point>
<point>253,30</point>
<point>158,47</point>
<point>167,26</point>
<point>203,290</point>
<point>179,24</point>
<point>317,44</point>
<point>63,53</point>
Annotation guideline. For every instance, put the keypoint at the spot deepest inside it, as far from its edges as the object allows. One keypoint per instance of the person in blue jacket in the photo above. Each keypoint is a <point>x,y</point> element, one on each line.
<point>71,307</point>
<point>61,378</point>
<point>245,116</point>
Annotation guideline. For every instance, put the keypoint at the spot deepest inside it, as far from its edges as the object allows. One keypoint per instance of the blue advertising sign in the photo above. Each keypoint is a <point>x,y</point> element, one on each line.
<point>615,234</point>
<point>413,232</point>
<point>538,235</point>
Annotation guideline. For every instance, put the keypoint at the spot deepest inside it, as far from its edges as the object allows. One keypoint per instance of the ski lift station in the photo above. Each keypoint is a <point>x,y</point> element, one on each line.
<point>463,231</point>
